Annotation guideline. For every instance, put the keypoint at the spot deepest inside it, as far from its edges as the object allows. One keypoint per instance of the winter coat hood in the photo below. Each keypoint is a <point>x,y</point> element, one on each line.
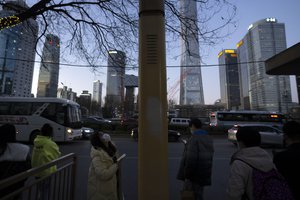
<point>255,157</point>
<point>44,151</point>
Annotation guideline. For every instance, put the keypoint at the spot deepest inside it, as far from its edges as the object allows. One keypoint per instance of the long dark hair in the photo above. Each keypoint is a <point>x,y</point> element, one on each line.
<point>7,135</point>
<point>98,143</point>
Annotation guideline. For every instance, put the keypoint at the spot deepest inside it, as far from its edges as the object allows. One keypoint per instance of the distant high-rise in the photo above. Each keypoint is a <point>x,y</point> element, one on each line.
<point>17,50</point>
<point>229,79</point>
<point>191,89</point>
<point>66,93</point>
<point>264,39</point>
<point>115,82</point>
<point>49,69</point>
<point>85,100</point>
<point>97,92</point>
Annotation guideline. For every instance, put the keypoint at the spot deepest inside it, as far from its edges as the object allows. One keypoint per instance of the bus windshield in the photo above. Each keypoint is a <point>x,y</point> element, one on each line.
<point>74,117</point>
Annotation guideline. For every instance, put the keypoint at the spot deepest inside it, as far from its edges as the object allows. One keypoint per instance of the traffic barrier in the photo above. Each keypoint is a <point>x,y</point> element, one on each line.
<point>58,185</point>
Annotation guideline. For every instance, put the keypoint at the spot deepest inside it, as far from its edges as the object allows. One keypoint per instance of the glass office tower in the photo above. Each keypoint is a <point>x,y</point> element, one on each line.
<point>17,50</point>
<point>229,79</point>
<point>191,89</point>
<point>49,69</point>
<point>264,39</point>
<point>115,82</point>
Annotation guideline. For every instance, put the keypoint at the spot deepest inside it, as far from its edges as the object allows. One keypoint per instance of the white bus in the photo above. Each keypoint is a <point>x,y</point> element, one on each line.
<point>224,120</point>
<point>30,114</point>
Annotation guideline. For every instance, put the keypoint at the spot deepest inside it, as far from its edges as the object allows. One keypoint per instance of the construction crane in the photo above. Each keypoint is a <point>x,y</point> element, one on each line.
<point>174,89</point>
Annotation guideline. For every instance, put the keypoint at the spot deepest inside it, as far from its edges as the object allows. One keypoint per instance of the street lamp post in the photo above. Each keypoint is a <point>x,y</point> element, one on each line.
<point>153,140</point>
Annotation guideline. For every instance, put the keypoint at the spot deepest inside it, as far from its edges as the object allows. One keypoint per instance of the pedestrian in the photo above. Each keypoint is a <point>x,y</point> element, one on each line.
<point>288,161</point>
<point>44,151</point>
<point>252,172</point>
<point>102,177</point>
<point>14,158</point>
<point>196,163</point>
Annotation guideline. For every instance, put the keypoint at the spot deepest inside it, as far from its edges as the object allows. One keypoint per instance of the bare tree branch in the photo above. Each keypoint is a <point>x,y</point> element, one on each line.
<point>89,29</point>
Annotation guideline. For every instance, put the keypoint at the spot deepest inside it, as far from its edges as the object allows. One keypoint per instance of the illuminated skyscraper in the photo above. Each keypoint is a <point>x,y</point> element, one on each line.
<point>49,69</point>
<point>191,89</point>
<point>264,39</point>
<point>229,79</point>
<point>17,50</point>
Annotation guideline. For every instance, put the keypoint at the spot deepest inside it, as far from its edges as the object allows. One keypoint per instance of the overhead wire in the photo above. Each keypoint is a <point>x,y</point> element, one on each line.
<point>132,67</point>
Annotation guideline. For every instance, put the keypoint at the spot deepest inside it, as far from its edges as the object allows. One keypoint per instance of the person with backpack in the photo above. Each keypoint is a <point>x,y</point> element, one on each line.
<point>288,161</point>
<point>253,175</point>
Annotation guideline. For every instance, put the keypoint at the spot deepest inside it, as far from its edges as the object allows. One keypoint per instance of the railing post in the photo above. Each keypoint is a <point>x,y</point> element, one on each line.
<point>73,177</point>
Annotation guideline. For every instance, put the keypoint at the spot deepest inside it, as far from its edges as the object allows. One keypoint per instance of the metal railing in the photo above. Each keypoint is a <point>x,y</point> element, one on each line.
<point>56,186</point>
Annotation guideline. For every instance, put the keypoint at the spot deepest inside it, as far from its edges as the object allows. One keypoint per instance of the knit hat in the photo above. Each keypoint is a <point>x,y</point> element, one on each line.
<point>106,137</point>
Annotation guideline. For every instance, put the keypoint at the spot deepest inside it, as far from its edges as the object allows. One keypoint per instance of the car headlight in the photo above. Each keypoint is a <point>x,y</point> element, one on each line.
<point>69,131</point>
<point>87,130</point>
<point>178,134</point>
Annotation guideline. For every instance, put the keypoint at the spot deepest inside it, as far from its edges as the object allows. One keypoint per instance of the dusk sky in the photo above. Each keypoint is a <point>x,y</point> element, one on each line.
<point>248,12</point>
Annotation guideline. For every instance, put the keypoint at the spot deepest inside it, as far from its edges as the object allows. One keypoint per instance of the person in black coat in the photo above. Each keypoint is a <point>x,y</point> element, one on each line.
<point>288,161</point>
<point>196,163</point>
<point>14,157</point>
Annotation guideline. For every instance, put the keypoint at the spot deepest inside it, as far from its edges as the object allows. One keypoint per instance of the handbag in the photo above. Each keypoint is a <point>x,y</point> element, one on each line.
<point>187,193</point>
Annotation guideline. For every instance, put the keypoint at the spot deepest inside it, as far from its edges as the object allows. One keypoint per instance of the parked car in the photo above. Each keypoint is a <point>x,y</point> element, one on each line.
<point>270,135</point>
<point>101,119</point>
<point>95,120</point>
<point>173,136</point>
<point>91,120</point>
<point>86,132</point>
<point>129,122</point>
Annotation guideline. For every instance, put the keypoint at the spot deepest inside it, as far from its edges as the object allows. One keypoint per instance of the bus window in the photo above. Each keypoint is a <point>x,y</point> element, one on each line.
<point>21,108</point>
<point>74,117</point>
<point>5,108</point>
<point>35,107</point>
<point>60,110</point>
<point>50,112</point>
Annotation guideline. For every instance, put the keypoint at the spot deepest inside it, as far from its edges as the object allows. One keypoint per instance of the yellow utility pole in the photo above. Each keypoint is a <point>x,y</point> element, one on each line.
<point>153,137</point>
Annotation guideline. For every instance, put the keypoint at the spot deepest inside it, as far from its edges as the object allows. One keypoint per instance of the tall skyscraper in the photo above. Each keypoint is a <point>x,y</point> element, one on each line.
<point>229,79</point>
<point>49,69</point>
<point>17,50</point>
<point>115,82</point>
<point>243,74</point>
<point>97,92</point>
<point>264,39</point>
<point>191,89</point>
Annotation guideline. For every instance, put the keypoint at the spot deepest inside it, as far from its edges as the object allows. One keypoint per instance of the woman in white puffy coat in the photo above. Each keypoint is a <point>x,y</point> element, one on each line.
<point>102,179</point>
